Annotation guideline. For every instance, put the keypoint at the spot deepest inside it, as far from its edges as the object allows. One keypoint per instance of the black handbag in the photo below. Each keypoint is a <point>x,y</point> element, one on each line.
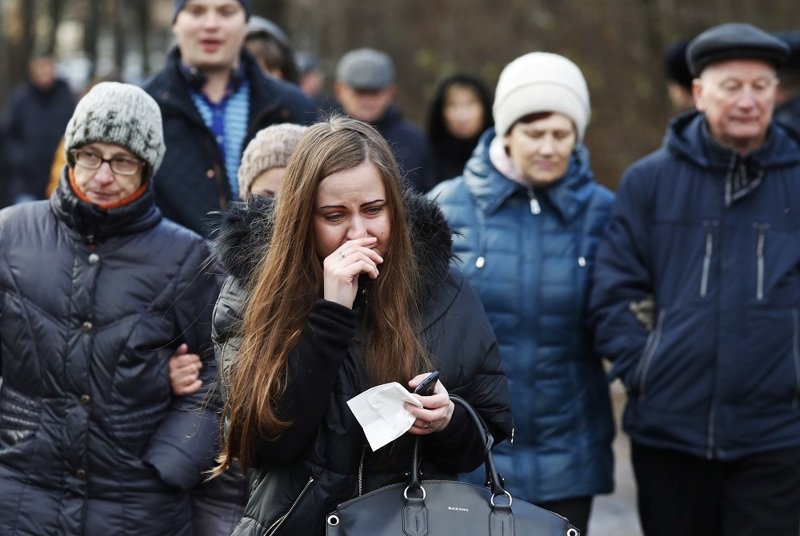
<point>445,507</point>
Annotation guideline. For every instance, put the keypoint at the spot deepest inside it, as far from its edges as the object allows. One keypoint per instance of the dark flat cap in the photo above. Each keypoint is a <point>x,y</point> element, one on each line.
<point>735,40</point>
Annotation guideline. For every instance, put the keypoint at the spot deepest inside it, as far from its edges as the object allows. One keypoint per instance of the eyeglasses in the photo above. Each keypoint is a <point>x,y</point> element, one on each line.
<point>121,165</point>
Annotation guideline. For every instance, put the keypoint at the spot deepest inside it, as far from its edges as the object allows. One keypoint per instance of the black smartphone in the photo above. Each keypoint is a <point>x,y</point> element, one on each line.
<point>425,387</point>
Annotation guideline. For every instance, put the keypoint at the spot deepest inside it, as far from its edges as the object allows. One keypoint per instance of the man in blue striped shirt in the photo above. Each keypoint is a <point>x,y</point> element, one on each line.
<point>213,100</point>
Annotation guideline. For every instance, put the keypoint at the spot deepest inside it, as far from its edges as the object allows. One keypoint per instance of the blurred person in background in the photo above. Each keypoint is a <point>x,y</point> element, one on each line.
<point>461,110</point>
<point>787,99</point>
<point>36,115</point>
<point>527,215</point>
<point>97,292</point>
<point>366,90</point>
<point>312,83</point>
<point>678,77</point>
<point>271,48</point>
<point>708,226</point>
<point>213,98</point>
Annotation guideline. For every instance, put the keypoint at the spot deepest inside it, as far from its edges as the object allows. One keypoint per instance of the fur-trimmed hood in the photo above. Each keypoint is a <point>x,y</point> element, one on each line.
<point>246,231</point>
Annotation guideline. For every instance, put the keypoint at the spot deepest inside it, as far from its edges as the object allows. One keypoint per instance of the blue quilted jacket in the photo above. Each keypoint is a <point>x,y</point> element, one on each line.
<point>531,271</point>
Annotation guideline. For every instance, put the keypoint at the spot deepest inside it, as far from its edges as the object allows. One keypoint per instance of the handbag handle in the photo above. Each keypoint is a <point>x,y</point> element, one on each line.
<point>488,440</point>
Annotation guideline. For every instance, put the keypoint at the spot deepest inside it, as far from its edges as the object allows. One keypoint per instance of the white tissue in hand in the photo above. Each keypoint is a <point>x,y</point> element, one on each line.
<point>381,414</point>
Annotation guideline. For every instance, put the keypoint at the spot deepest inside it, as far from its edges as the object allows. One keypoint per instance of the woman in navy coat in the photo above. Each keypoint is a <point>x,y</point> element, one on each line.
<point>97,291</point>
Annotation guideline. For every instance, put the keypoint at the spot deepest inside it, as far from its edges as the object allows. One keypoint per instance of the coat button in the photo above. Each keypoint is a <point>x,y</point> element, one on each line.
<point>582,262</point>
<point>85,399</point>
<point>210,173</point>
<point>87,326</point>
<point>94,258</point>
<point>80,474</point>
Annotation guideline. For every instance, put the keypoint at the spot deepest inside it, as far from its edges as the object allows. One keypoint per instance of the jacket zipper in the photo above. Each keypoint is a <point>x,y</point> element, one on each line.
<point>711,417</point>
<point>649,352</point>
<point>278,522</point>
<point>796,354</point>
<point>760,261</point>
<point>706,261</point>
<point>536,208</point>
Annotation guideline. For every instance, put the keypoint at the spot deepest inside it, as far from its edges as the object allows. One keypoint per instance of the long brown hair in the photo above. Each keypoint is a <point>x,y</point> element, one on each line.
<point>289,280</point>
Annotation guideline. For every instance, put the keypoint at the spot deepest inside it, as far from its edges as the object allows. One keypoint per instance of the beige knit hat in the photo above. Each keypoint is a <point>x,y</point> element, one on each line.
<point>541,82</point>
<point>270,148</point>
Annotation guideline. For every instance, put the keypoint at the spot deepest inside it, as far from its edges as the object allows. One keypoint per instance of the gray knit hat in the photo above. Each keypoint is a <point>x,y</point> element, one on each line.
<point>270,148</point>
<point>122,114</point>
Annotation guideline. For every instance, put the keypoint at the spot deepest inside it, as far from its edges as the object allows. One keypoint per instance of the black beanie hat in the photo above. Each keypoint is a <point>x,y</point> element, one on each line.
<point>675,66</point>
<point>180,4</point>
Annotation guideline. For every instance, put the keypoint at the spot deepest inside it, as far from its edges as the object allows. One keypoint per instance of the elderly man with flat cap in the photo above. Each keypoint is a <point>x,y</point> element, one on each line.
<point>707,229</point>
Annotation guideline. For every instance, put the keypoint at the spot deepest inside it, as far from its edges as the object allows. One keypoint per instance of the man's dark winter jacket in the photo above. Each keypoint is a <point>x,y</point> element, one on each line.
<point>532,273</point>
<point>788,115</point>
<point>92,305</point>
<point>35,122</point>
<point>714,237</point>
<point>192,184</point>
<point>410,147</point>
<point>324,458</point>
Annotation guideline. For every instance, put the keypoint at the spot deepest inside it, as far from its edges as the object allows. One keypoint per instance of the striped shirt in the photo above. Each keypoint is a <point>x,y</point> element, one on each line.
<point>227,121</point>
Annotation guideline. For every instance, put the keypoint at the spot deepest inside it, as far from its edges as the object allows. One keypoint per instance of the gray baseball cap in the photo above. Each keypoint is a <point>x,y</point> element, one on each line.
<point>366,69</point>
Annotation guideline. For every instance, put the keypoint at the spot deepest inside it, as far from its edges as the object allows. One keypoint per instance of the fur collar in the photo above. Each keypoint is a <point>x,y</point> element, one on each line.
<point>246,230</point>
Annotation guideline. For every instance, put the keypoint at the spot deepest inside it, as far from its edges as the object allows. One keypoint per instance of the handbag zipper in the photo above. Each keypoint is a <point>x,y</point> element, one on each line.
<point>361,471</point>
<point>278,522</point>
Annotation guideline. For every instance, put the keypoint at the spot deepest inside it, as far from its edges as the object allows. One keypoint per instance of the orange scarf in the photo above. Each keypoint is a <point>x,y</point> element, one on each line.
<point>107,206</point>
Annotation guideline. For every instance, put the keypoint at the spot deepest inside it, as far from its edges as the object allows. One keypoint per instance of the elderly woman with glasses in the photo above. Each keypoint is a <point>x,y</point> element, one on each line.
<point>97,292</point>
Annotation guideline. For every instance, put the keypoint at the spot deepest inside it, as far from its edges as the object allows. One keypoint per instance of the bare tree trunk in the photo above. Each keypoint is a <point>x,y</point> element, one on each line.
<point>5,83</point>
<point>655,43</point>
<point>27,37</point>
<point>91,33</point>
<point>274,10</point>
<point>117,9</point>
<point>55,9</point>
<point>143,19</point>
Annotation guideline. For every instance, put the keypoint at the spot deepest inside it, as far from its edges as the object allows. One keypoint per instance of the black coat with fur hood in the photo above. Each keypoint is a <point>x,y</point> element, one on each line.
<point>315,464</point>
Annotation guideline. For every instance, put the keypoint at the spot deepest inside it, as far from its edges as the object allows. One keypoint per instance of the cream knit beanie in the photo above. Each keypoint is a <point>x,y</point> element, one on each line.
<point>270,148</point>
<point>541,82</point>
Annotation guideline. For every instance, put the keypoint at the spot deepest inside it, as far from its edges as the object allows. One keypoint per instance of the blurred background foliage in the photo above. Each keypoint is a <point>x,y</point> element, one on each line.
<point>617,43</point>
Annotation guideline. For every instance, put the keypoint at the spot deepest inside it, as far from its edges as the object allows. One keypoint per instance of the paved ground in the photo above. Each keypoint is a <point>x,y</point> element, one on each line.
<point>615,514</point>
